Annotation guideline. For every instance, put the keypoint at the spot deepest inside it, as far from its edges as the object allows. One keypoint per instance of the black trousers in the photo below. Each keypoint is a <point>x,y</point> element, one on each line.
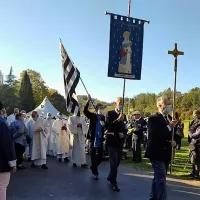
<point>96,158</point>
<point>137,151</point>
<point>129,141</point>
<point>195,160</point>
<point>178,142</point>
<point>114,157</point>
<point>19,149</point>
<point>145,142</point>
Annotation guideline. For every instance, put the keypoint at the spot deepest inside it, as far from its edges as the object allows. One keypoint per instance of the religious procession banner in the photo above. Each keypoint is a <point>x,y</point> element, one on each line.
<point>126,47</point>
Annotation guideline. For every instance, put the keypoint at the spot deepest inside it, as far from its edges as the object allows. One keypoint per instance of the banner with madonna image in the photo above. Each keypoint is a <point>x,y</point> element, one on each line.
<point>126,47</point>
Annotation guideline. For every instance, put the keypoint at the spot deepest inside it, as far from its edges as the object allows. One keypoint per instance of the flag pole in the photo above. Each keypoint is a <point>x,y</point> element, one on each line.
<point>124,85</point>
<point>88,94</point>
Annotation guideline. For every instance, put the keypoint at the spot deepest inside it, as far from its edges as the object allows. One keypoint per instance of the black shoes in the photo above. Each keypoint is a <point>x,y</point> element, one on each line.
<point>44,166</point>
<point>74,165</point>
<point>60,160</point>
<point>66,160</point>
<point>84,166</point>
<point>21,167</point>
<point>96,177</point>
<point>115,188</point>
<point>33,165</point>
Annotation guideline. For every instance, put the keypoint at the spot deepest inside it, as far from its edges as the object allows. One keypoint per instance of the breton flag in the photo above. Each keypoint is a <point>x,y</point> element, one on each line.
<point>71,77</point>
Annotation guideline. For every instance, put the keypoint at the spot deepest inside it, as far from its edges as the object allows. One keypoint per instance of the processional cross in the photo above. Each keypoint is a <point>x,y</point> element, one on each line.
<point>175,53</point>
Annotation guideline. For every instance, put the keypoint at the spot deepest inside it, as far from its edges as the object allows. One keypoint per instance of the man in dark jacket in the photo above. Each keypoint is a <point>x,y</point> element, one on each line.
<point>140,126</point>
<point>7,155</point>
<point>95,135</point>
<point>159,136</point>
<point>115,131</point>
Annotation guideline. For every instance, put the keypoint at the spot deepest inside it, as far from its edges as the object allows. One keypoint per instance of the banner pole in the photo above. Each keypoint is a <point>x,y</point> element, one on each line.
<point>124,86</point>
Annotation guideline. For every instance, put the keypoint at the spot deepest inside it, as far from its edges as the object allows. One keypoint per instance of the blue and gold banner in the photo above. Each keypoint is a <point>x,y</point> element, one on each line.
<point>126,47</point>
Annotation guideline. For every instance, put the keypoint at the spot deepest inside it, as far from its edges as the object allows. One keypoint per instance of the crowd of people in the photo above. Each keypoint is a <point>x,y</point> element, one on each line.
<point>37,137</point>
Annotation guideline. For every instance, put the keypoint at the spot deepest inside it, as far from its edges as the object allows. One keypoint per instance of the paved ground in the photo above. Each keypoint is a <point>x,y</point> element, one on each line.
<point>62,182</point>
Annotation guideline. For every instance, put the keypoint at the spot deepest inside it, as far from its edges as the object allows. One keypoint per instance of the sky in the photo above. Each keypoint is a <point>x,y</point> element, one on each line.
<point>30,32</point>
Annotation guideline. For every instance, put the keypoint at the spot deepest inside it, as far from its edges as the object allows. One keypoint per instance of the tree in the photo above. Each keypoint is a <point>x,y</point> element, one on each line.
<point>40,90</point>
<point>58,101</point>
<point>10,78</point>
<point>26,93</point>
<point>9,98</point>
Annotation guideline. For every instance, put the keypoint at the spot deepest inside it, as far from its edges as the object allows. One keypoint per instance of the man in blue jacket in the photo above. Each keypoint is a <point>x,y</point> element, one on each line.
<point>95,135</point>
<point>7,156</point>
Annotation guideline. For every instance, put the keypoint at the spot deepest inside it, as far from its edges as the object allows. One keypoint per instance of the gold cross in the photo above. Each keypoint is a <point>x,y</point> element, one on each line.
<point>176,52</point>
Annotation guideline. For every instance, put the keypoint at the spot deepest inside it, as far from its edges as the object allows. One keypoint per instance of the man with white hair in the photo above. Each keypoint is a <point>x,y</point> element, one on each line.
<point>159,136</point>
<point>11,118</point>
<point>139,126</point>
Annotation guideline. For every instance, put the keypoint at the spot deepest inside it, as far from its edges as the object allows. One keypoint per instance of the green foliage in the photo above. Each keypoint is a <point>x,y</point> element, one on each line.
<point>9,98</point>
<point>58,101</point>
<point>40,90</point>
<point>144,102</point>
<point>26,93</point>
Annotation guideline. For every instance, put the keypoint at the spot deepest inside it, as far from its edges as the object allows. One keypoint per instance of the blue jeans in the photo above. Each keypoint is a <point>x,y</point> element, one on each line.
<point>158,189</point>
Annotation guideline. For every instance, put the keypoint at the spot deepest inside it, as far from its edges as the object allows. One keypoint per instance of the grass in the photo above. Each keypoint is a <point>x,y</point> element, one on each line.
<point>180,160</point>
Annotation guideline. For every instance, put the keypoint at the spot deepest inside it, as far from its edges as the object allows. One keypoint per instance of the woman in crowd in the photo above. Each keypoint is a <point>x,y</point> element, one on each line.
<point>19,132</point>
<point>7,156</point>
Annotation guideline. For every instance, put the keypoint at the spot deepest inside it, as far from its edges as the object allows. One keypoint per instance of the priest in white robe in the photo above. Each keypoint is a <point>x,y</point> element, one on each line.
<point>78,129</point>
<point>51,149</point>
<point>61,138</point>
<point>40,141</point>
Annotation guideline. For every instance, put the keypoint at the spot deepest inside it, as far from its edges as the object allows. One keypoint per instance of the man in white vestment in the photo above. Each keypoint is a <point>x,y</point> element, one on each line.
<point>11,118</point>
<point>61,138</point>
<point>51,149</point>
<point>78,129</point>
<point>40,141</point>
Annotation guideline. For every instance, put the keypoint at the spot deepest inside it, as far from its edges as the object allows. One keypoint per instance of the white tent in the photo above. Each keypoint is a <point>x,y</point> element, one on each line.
<point>46,107</point>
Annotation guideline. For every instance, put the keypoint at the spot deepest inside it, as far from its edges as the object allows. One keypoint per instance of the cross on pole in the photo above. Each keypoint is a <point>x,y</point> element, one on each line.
<point>175,53</point>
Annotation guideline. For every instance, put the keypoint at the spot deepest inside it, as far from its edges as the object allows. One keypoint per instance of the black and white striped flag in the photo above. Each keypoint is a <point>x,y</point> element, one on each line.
<point>71,78</point>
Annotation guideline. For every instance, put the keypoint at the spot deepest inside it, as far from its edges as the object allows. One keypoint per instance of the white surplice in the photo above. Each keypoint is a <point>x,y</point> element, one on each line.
<point>78,145</point>
<point>40,141</point>
<point>51,149</point>
<point>61,138</point>
<point>30,126</point>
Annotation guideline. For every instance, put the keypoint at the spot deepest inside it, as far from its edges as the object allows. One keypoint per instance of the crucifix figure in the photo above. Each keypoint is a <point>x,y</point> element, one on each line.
<point>175,53</point>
